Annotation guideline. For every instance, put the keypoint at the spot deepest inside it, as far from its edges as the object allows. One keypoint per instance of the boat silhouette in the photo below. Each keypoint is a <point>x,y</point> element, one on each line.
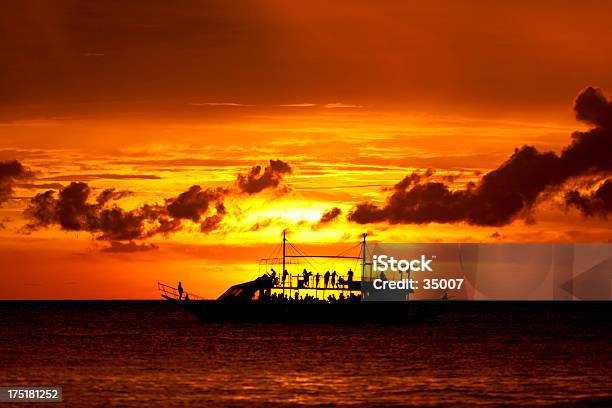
<point>303,298</point>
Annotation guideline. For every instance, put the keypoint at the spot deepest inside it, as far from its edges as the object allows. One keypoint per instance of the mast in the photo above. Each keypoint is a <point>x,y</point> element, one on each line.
<point>284,241</point>
<point>283,272</point>
<point>363,256</point>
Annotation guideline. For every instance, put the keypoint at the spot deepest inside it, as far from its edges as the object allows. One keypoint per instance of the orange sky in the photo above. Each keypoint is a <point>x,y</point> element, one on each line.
<point>352,95</point>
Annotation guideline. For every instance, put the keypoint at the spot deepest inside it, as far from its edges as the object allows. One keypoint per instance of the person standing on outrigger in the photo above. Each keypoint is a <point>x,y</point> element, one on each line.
<point>180,290</point>
<point>333,276</point>
<point>326,279</point>
<point>350,275</point>
<point>285,273</point>
<point>317,278</point>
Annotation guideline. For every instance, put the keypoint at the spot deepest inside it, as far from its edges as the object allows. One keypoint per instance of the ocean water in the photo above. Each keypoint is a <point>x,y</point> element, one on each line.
<point>149,353</point>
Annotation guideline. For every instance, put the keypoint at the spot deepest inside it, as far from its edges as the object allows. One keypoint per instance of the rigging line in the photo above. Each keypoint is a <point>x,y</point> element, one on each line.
<point>332,261</point>
<point>309,258</point>
<point>328,263</point>
<point>349,249</point>
<point>299,251</point>
<point>335,259</point>
<point>346,251</point>
<point>279,250</point>
<point>274,251</point>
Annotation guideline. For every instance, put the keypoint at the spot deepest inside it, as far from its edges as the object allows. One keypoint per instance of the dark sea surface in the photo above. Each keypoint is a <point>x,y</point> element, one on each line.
<point>149,353</point>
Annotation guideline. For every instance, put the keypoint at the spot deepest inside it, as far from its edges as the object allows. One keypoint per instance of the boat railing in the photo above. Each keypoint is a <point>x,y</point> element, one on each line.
<point>169,292</point>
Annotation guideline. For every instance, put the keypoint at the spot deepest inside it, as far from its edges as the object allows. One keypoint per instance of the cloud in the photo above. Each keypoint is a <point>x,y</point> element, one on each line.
<point>116,223</point>
<point>257,179</point>
<point>10,171</point>
<point>259,225</point>
<point>219,104</point>
<point>598,203</point>
<point>513,188</point>
<point>89,177</point>
<point>130,246</point>
<point>37,186</point>
<point>74,208</point>
<point>112,194</point>
<point>327,217</point>
<point>212,222</point>
<point>340,105</point>
<point>193,203</point>
<point>299,105</point>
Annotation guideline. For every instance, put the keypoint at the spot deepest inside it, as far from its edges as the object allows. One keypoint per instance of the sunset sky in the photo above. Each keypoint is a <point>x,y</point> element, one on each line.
<point>151,98</point>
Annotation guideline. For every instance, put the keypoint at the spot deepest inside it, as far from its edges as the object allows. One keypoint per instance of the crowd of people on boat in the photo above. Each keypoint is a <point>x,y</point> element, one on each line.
<point>313,281</point>
<point>309,280</point>
<point>296,298</point>
<point>306,280</point>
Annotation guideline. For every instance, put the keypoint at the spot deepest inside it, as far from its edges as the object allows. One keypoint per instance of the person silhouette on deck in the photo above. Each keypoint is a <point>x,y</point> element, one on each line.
<point>272,275</point>
<point>317,279</point>
<point>333,281</point>
<point>350,275</point>
<point>326,279</point>
<point>285,273</point>
<point>180,290</point>
<point>305,275</point>
<point>186,296</point>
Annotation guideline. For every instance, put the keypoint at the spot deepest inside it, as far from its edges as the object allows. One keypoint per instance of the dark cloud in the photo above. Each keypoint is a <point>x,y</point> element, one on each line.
<point>259,225</point>
<point>131,246</point>
<point>598,203</point>
<point>331,215</point>
<point>193,203</point>
<point>9,172</point>
<point>510,190</point>
<point>327,217</point>
<point>257,179</point>
<point>74,210</point>
<point>112,194</point>
<point>42,210</point>
<point>118,224</point>
<point>212,222</point>
<point>38,186</point>
<point>411,179</point>
<point>592,106</point>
